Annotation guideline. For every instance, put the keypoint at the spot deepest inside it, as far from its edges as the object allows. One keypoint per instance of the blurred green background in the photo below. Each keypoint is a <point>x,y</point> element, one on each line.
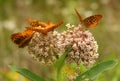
<point>13,14</point>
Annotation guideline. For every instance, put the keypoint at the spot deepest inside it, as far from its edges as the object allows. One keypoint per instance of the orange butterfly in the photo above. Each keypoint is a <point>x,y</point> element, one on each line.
<point>45,27</point>
<point>22,38</point>
<point>91,21</point>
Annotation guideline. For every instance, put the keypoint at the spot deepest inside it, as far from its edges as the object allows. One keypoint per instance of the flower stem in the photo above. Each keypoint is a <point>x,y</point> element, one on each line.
<point>59,77</point>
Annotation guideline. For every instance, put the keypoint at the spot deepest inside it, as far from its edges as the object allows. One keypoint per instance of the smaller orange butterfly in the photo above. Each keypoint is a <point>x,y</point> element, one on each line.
<point>91,21</point>
<point>45,27</point>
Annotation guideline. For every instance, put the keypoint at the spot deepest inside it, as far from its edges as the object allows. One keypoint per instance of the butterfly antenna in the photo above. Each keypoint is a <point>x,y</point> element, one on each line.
<point>80,18</point>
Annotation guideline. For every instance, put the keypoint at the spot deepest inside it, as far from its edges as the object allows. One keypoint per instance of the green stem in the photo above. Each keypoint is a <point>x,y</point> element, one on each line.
<point>59,77</point>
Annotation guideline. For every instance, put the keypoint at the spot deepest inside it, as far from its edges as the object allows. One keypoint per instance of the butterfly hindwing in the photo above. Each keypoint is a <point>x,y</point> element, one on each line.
<point>22,38</point>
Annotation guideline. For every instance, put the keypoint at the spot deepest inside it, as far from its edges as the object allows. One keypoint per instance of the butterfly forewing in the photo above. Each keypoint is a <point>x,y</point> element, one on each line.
<point>92,21</point>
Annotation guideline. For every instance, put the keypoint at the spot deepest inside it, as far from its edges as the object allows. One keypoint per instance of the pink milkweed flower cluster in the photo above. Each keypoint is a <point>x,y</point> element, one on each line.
<point>48,48</point>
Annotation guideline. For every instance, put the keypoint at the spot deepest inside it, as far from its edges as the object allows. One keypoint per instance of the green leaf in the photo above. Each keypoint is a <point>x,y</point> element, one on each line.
<point>60,62</point>
<point>96,70</point>
<point>28,74</point>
